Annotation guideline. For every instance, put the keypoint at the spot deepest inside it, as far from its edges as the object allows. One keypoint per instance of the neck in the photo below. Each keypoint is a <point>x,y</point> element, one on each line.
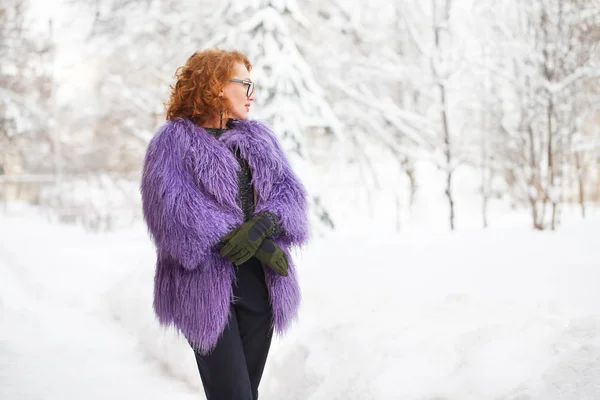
<point>215,123</point>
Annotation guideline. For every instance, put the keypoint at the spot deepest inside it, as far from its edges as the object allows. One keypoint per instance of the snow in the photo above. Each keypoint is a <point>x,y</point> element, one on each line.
<point>507,314</point>
<point>58,339</point>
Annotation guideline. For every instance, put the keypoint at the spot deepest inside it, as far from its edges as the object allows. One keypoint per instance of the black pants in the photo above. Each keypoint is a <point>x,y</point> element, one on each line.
<point>232,371</point>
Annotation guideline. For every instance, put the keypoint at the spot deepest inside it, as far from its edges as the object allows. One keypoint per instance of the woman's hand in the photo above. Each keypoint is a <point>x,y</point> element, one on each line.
<point>244,241</point>
<point>273,257</point>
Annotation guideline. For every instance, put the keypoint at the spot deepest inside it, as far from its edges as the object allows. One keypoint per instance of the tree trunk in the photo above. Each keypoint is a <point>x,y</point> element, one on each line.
<point>409,170</point>
<point>444,112</point>
<point>448,154</point>
<point>484,178</point>
<point>535,214</point>
<point>534,181</point>
<point>551,162</point>
<point>484,205</point>
<point>580,182</point>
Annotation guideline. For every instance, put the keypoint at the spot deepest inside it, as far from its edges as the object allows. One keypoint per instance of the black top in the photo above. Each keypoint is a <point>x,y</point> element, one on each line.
<point>245,196</point>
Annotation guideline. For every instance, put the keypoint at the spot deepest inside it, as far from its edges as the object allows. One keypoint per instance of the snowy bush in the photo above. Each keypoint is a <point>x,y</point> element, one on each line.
<point>98,202</point>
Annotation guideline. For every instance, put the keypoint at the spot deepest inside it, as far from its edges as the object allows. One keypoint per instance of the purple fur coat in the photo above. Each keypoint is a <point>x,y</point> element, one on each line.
<point>189,190</point>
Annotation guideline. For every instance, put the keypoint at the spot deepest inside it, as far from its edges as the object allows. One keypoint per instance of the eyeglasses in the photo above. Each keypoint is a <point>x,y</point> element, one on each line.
<point>250,85</point>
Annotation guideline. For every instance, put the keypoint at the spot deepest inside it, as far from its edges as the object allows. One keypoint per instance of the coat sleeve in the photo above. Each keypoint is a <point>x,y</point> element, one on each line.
<point>182,221</point>
<point>287,198</point>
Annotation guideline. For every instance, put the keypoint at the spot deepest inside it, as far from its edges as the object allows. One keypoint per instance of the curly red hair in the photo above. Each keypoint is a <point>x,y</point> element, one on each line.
<point>195,95</point>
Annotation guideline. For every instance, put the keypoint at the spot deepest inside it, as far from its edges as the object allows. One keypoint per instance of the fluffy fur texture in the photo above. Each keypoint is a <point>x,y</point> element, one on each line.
<point>189,189</point>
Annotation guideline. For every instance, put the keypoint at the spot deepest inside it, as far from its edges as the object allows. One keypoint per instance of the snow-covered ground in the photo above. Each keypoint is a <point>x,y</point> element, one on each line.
<point>506,314</point>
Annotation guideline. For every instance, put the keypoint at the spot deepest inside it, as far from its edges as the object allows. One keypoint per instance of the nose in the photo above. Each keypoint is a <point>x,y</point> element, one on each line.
<point>251,97</point>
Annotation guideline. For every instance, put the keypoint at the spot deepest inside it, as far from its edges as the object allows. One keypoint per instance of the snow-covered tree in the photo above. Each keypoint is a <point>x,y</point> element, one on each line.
<point>364,94</point>
<point>287,95</point>
<point>26,93</point>
<point>368,69</point>
<point>552,55</point>
<point>445,89</point>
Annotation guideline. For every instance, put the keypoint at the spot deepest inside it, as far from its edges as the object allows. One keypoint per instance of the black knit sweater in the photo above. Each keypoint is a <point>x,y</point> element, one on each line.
<point>245,196</point>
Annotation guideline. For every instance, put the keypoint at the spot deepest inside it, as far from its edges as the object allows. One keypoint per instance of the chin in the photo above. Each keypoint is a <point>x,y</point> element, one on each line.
<point>240,115</point>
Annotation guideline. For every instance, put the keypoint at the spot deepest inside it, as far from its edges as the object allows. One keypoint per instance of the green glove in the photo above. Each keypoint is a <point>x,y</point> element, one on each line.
<point>273,257</point>
<point>246,239</point>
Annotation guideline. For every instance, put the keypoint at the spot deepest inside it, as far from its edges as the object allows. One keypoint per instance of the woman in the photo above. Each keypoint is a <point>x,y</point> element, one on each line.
<point>223,208</point>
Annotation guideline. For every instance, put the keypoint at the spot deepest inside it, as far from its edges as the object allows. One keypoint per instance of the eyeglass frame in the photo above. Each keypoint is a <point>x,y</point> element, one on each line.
<point>250,84</point>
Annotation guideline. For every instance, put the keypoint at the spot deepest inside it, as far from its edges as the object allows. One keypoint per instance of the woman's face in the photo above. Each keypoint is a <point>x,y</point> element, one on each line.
<point>237,92</point>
